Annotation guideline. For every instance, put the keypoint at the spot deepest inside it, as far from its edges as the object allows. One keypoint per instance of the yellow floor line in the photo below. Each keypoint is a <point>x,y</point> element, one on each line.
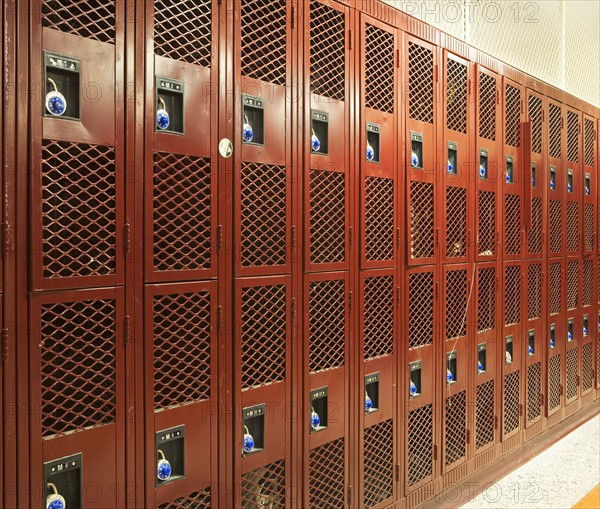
<point>590,501</point>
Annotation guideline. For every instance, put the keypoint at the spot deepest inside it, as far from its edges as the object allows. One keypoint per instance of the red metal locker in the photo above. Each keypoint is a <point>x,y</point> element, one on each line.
<point>454,153</point>
<point>556,334</point>
<point>590,184</point>
<point>556,182</point>
<point>420,71</point>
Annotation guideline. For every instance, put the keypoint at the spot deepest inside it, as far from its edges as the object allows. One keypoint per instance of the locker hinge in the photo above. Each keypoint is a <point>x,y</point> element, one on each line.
<point>579,127</point>
<point>350,496</point>
<point>437,290</point>
<point>127,329</point>
<point>293,237</point>
<point>520,409</point>
<point>496,422</point>
<point>468,436</point>
<point>522,106</point>
<point>435,452</point>
<point>293,16</point>
<point>398,290</point>
<point>397,471</point>
<point>578,380</point>
<point>562,122</point>
<point>542,403</point>
<point>436,72</point>
<point>497,96</point>
<point>398,237</point>
<point>4,348</point>
<point>350,301</point>
<point>350,39</point>
<point>437,237</point>
<point>469,87</point>
<point>350,236</point>
<point>127,238</point>
<point>5,238</point>
<point>219,318</point>
<point>562,390</point>
<point>219,237</point>
<point>397,58</point>
<point>293,306</point>
<point>543,115</point>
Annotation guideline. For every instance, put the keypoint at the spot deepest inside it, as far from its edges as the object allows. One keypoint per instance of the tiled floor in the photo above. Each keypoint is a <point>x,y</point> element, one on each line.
<point>555,479</point>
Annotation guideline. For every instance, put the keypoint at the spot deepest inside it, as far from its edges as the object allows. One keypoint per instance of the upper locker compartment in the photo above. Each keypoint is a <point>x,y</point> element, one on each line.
<point>488,168</point>
<point>420,152</point>
<point>378,148</point>
<point>454,157</point>
<point>181,145</point>
<point>575,182</point>
<point>326,141</point>
<point>264,171</point>
<point>556,181</point>
<point>590,175</point>
<point>76,145</point>
<point>538,178</point>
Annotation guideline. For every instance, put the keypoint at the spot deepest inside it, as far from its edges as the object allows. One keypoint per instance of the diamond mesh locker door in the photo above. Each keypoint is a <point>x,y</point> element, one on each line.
<point>490,168</point>
<point>539,177</point>
<point>557,334</point>
<point>327,302</point>
<point>575,183</point>
<point>556,182</point>
<point>180,159</point>
<point>378,309</point>
<point>180,334</point>
<point>535,341</point>
<point>421,225</point>
<point>77,357</point>
<point>590,184</point>
<point>454,146</point>
<point>265,318</point>
<point>328,183</point>
<point>378,154</point>
<point>263,188</point>
<point>77,188</point>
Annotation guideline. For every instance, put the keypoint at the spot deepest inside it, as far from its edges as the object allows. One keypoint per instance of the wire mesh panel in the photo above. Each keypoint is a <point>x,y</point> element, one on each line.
<point>93,19</point>
<point>327,51</point>
<point>486,299</point>
<point>598,364</point>
<point>555,288</point>
<point>555,130</point>
<point>554,383</point>
<point>182,354</point>
<point>182,212</point>
<point>572,137</point>
<point>588,282</point>
<point>264,487</point>
<point>512,294</point>
<point>264,40</point>
<point>420,83</point>
<point>456,304</point>
<point>486,228</point>
<point>535,117</point>
<point>573,226</point>
<point>512,224</point>
<point>534,389</point>
<point>197,500</point>
<point>378,466</point>
<point>422,240</point>
<point>588,227</point>
<point>420,444</point>
<point>511,402</point>
<point>456,102</point>
<point>263,335</point>
<point>484,415</point>
<point>263,215</point>
<point>326,475</point>
<point>79,201</point>
<point>379,218</point>
<point>588,143</point>
<point>327,216</point>
<point>572,375</point>
<point>182,30</point>
<point>555,226</point>
<point>534,235</point>
<point>378,303</point>
<point>487,106</point>
<point>420,309</point>
<point>513,116</point>
<point>78,365</point>
<point>455,428</point>
<point>379,69</point>
<point>456,222</point>
<point>534,291</point>
<point>587,367</point>
<point>327,324</point>
<point>572,284</point>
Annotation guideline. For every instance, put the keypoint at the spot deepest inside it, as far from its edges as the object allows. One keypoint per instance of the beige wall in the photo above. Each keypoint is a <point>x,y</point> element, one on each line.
<point>557,41</point>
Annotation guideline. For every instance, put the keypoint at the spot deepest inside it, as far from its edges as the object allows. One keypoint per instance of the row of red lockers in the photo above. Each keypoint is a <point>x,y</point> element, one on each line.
<point>270,254</point>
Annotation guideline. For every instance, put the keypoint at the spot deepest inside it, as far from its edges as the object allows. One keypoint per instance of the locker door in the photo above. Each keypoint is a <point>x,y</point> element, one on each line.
<point>588,328</point>
<point>556,182</point>
<point>539,175</point>
<point>556,335</point>
<point>420,155</point>
<point>590,183</point>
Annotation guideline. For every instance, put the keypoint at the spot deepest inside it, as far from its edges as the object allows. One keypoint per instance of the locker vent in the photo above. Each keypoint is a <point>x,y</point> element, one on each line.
<point>263,215</point>
<point>379,69</point>
<point>456,222</point>
<point>512,223</point>
<point>456,98</point>
<point>484,414</point>
<point>572,373</point>
<point>263,334</point>
<point>587,370</point>
<point>487,222</point>
<point>554,383</point>
<point>420,444</point>
<point>511,402</point>
<point>327,324</point>
<point>555,131</point>
<point>379,218</point>
<point>196,500</point>
<point>456,427</point>
<point>78,371</point>
<point>589,142</point>
<point>535,117</point>
<point>513,116</point>
<point>534,388</point>
<point>573,226</point>
<point>78,209</point>
<point>420,309</point>
<point>421,220</point>
<point>486,299</point>
<point>182,212</point>
<point>588,226</point>
<point>456,303</point>
<point>588,282</point>
<point>534,294</point>
<point>264,40</point>
<point>327,51</point>
<point>379,316</point>
<point>326,475</point>
<point>535,230</point>
<point>555,288</point>
<point>264,487</point>
<point>555,226</point>
<point>487,106</point>
<point>378,463</point>
<point>512,295</point>
<point>420,83</point>
<point>182,30</point>
<point>572,284</point>
<point>572,137</point>
<point>93,19</point>
<point>182,325</point>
